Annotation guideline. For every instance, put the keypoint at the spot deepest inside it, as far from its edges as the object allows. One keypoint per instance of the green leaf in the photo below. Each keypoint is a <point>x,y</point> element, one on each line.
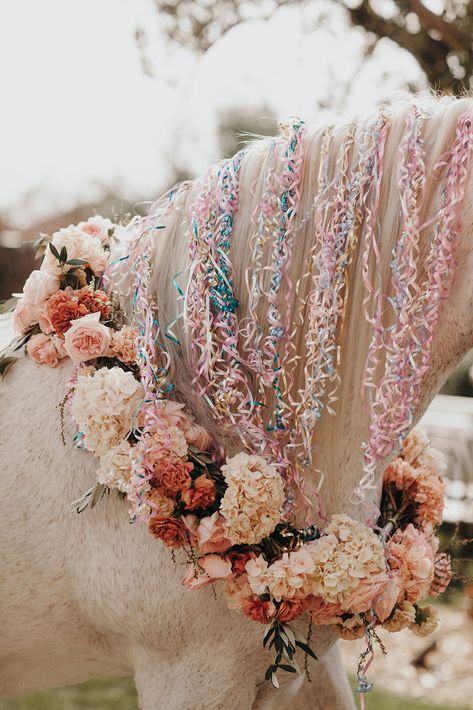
<point>307,649</point>
<point>63,255</point>
<point>76,262</point>
<point>8,305</point>
<point>289,669</point>
<point>5,364</point>
<point>90,497</point>
<point>268,635</point>
<point>54,251</point>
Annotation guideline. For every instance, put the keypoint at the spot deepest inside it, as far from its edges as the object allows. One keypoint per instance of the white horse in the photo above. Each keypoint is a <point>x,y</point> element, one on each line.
<point>89,596</point>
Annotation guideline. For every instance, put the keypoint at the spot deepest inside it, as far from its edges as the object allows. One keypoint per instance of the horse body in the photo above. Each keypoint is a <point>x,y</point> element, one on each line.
<point>89,595</point>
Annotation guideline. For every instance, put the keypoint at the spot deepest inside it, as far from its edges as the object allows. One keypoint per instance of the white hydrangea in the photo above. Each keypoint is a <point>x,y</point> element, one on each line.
<point>103,405</point>
<point>252,504</point>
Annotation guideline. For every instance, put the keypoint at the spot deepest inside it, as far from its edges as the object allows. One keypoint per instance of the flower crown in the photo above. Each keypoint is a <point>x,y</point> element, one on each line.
<point>228,514</point>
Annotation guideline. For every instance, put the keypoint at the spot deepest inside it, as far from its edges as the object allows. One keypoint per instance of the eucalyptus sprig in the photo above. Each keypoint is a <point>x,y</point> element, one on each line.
<point>285,641</point>
<point>90,497</point>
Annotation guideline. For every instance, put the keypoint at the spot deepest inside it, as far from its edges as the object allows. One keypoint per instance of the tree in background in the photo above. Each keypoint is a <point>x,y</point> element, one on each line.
<point>438,33</point>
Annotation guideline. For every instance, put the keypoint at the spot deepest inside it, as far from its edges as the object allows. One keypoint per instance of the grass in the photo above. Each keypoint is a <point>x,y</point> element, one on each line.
<point>120,694</point>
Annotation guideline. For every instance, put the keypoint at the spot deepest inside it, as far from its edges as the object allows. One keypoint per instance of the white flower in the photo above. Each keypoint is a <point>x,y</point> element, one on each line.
<point>115,467</point>
<point>97,226</point>
<point>252,503</point>
<point>79,245</point>
<point>39,286</point>
<point>347,552</point>
<point>103,405</point>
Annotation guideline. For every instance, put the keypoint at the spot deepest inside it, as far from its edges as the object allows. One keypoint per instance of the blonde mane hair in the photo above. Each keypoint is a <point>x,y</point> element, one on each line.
<point>325,154</point>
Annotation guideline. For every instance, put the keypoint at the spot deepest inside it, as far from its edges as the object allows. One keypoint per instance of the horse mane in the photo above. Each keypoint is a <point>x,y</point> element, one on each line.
<point>292,278</point>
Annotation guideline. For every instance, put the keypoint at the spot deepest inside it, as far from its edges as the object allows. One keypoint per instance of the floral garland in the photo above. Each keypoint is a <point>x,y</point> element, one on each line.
<point>227,514</point>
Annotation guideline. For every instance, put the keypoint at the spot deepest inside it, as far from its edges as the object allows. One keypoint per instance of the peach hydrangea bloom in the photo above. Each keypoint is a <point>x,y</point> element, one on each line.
<point>347,553</point>
<point>253,501</point>
<point>115,467</point>
<point>123,345</point>
<point>103,405</point>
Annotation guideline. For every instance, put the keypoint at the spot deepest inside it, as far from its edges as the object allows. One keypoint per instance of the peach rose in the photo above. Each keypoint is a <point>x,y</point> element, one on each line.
<point>97,226</point>
<point>239,560</point>
<point>162,505</point>
<point>209,569</point>
<point>322,612</point>
<point>290,609</point>
<point>171,531</point>
<point>173,477</point>
<point>43,319</point>
<point>211,535</point>
<point>196,435</point>
<point>411,553</point>
<point>191,523</point>
<point>384,605</point>
<point>42,350</point>
<point>363,596</point>
<point>87,338</point>
<point>258,610</point>
<point>62,308</point>
<point>39,287</point>
<point>201,495</point>
<point>24,316</point>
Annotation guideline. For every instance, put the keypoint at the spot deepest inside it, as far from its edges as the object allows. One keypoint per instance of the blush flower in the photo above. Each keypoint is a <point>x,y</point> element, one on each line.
<point>97,226</point>
<point>79,245</point>
<point>411,556</point>
<point>123,344</point>
<point>95,301</point>
<point>211,535</point>
<point>42,350</point>
<point>208,570</point>
<point>87,338</point>
<point>39,287</point>
<point>24,316</point>
<point>253,501</point>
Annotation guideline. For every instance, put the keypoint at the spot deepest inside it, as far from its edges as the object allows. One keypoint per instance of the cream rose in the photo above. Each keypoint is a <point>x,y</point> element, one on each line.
<point>87,338</point>
<point>39,286</point>
<point>24,316</point>
<point>97,226</point>
<point>79,245</point>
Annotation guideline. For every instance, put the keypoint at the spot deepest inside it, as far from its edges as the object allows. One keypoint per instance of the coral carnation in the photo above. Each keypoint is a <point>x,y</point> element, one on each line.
<point>201,495</point>
<point>171,531</point>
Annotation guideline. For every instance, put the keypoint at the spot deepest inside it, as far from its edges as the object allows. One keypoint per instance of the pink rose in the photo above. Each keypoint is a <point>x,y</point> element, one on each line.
<point>43,319</point>
<point>384,605</point>
<point>24,316</point>
<point>191,522</point>
<point>209,569</point>
<point>211,535</point>
<point>87,338</point>
<point>40,286</point>
<point>97,227</point>
<point>364,595</point>
<point>196,435</point>
<point>322,612</point>
<point>42,350</point>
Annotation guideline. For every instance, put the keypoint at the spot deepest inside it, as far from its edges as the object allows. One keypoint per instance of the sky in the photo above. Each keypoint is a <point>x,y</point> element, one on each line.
<point>79,116</point>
